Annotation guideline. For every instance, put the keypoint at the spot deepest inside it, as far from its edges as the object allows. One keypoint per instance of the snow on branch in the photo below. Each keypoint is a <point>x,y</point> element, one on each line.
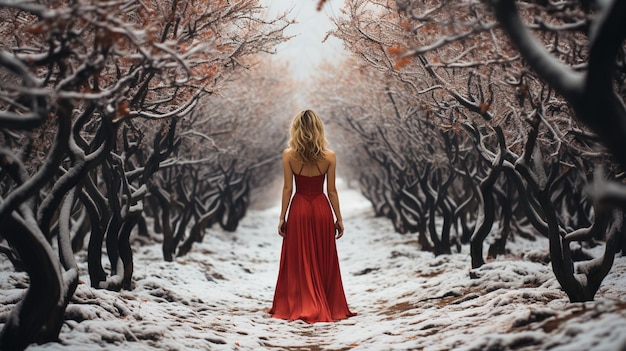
<point>560,76</point>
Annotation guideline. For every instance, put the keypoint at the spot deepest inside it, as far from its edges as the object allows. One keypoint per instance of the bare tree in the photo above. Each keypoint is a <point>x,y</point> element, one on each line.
<point>243,128</point>
<point>453,60</point>
<point>91,98</point>
<point>592,84</point>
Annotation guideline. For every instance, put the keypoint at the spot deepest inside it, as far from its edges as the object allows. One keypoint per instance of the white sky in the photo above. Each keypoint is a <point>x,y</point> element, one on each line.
<point>306,49</point>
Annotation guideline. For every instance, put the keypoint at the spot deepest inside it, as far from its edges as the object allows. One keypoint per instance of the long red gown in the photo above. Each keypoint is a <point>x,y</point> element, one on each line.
<point>309,283</point>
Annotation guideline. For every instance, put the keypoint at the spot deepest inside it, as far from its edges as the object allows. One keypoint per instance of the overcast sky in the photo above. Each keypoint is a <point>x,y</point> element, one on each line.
<point>306,49</point>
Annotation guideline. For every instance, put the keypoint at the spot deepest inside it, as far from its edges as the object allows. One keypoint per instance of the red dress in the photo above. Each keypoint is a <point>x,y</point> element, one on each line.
<point>309,281</point>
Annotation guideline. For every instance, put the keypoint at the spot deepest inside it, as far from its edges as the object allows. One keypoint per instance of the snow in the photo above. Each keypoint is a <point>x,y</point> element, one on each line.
<point>215,297</point>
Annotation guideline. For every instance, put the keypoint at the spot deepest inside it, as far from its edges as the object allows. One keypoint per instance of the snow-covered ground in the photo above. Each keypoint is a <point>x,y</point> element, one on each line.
<point>215,298</point>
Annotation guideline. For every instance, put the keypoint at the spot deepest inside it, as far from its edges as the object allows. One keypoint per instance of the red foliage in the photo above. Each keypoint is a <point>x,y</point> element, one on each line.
<point>484,107</point>
<point>396,50</point>
<point>320,4</point>
<point>402,62</point>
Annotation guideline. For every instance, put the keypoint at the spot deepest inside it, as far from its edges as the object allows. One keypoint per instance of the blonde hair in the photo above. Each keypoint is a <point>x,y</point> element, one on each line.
<point>307,137</point>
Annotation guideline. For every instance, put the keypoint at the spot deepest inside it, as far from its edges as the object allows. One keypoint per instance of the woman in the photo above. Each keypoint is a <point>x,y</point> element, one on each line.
<point>309,281</point>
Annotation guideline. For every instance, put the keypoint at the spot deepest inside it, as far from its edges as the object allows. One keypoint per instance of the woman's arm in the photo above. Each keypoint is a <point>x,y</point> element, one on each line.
<point>287,190</point>
<point>333,196</point>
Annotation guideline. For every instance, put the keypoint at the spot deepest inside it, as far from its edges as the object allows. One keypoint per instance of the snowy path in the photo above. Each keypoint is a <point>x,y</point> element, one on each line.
<point>214,298</point>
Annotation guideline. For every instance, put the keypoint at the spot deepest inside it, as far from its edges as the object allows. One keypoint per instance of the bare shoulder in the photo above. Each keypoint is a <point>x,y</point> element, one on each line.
<point>288,153</point>
<point>330,155</point>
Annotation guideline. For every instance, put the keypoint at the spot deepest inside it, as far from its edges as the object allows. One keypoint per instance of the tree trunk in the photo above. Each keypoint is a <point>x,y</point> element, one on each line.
<point>28,318</point>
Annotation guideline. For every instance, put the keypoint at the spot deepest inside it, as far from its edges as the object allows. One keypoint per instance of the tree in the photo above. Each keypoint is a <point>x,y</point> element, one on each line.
<point>593,92</point>
<point>244,128</point>
<point>454,60</point>
<point>92,95</point>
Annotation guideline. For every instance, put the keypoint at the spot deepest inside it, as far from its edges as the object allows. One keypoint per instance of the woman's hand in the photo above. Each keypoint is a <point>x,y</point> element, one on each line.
<point>281,227</point>
<point>338,229</point>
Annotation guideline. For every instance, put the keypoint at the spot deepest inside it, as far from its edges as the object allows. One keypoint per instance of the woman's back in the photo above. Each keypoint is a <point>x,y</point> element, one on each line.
<point>306,168</point>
